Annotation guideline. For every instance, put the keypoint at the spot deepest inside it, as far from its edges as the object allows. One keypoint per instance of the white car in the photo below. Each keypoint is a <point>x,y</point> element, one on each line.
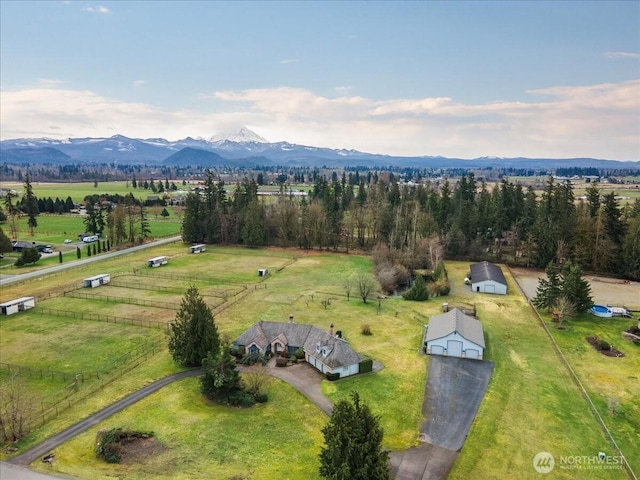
<point>67,241</point>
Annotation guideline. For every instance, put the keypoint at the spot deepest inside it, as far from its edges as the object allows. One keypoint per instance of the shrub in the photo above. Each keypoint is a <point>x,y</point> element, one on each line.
<point>365,366</point>
<point>299,354</point>
<point>240,398</point>
<point>365,329</point>
<point>418,292</point>
<point>253,358</point>
<point>281,362</point>
<point>285,353</point>
<point>332,376</point>
<point>261,398</point>
<point>602,344</point>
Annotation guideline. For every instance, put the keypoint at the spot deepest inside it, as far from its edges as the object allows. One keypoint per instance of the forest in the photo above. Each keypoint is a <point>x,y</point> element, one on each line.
<point>468,220</point>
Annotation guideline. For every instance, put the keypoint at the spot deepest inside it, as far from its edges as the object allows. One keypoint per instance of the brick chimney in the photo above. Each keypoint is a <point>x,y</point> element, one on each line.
<point>331,330</point>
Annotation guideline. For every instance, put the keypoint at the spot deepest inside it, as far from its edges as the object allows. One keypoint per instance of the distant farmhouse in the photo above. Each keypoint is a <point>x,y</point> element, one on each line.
<point>322,349</point>
<point>454,334</point>
<point>486,277</point>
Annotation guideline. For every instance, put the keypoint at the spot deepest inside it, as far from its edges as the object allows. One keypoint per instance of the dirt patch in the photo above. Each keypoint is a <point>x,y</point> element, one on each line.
<point>137,450</point>
<point>605,291</point>
<point>604,348</point>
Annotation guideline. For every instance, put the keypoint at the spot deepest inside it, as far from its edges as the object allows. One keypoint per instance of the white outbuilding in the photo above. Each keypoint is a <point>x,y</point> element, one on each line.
<point>487,278</point>
<point>454,334</point>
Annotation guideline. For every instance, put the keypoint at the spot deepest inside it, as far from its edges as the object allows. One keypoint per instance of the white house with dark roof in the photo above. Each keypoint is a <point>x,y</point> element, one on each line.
<point>322,349</point>
<point>487,278</point>
<point>455,334</point>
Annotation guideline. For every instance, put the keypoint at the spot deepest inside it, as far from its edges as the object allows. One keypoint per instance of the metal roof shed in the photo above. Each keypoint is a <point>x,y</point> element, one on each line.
<point>18,305</point>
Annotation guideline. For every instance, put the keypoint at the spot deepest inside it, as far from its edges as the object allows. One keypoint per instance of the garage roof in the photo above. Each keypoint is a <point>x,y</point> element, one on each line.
<point>455,321</point>
<point>487,271</point>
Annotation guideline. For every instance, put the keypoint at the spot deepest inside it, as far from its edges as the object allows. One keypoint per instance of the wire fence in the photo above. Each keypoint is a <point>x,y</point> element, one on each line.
<point>577,381</point>
<point>128,300</point>
<point>83,383</point>
<point>98,317</point>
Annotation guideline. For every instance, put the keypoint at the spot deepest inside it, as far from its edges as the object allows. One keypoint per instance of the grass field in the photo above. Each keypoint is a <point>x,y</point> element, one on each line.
<point>531,403</point>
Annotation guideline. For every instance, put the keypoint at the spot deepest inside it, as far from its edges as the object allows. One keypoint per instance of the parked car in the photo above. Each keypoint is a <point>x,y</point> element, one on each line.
<point>47,250</point>
<point>67,240</point>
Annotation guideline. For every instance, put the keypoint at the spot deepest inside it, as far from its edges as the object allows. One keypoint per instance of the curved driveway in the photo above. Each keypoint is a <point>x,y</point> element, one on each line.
<point>45,447</point>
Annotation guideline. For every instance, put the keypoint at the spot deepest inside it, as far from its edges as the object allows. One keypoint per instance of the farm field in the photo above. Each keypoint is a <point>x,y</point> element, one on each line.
<point>531,404</point>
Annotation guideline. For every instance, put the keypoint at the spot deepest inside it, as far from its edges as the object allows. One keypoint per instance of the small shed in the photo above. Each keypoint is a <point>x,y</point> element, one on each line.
<point>198,248</point>
<point>96,281</point>
<point>487,277</point>
<point>157,261</point>
<point>454,334</point>
<point>263,272</point>
<point>17,305</point>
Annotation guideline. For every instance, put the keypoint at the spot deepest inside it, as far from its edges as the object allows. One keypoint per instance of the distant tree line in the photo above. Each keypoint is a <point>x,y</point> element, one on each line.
<point>468,219</point>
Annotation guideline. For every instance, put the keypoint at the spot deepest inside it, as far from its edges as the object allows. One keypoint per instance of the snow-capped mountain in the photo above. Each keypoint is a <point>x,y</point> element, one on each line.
<point>242,135</point>
<point>244,148</point>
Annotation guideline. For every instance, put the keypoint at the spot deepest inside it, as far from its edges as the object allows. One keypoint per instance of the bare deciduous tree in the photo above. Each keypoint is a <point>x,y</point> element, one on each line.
<point>366,285</point>
<point>16,409</point>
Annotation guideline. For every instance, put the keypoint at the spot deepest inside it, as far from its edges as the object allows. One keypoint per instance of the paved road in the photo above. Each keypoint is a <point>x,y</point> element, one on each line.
<point>48,445</point>
<point>7,279</point>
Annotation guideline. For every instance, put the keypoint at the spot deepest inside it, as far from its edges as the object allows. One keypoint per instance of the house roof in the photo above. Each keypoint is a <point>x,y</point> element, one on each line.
<point>455,321</point>
<point>307,337</point>
<point>487,271</point>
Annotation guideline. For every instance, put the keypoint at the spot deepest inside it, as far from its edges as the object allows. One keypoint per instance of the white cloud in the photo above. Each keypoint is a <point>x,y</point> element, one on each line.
<point>621,55</point>
<point>97,9</point>
<point>586,121</point>
<point>291,60</point>
<point>139,83</point>
<point>343,89</point>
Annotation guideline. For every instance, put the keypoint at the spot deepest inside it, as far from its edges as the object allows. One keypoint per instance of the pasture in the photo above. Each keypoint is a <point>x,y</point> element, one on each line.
<point>531,403</point>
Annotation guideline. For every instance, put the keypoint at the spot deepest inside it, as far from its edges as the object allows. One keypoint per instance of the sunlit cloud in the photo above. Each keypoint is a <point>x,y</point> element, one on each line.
<point>600,121</point>
<point>623,55</point>
<point>139,83</point>
<point>97,9</point>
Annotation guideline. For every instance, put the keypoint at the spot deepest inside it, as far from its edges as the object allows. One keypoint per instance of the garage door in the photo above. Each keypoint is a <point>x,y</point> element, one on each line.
<point>454,348</point>
<point>489,288</point>
<point>437,350</point>
<point>471,353</point>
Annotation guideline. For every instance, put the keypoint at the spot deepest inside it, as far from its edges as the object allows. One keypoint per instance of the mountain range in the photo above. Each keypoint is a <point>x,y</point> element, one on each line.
<point>245,148</point>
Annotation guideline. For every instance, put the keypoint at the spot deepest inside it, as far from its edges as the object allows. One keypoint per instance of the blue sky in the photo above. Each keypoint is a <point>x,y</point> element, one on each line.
<point>465,79</point>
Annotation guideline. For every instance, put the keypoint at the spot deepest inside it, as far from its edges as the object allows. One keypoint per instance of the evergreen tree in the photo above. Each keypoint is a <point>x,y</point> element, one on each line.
<point>60,257</point>
<point>220,380</point>
<point>78,253</point>
<point>193,335</point>
<point>549,289</point>
<point>631,250</point>
<point>30,204</point>
<point>575,288</point>
<point>29,255</point>
<point>353,444</point>
<point>5,243</point>
<point>145,229</point>
<point>418,290</point>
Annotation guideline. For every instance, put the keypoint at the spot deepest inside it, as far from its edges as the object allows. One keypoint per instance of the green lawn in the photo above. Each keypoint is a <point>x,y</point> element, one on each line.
<point>531,404</point>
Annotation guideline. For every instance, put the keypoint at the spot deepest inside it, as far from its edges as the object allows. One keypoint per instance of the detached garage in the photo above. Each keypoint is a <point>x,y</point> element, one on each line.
<point>454,334</point>
<point>487,278</point>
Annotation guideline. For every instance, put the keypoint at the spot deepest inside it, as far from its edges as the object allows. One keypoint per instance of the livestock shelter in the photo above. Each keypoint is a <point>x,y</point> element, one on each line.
<point>263,272</point>
<point>17,305</point>
<point>96,281</point>
<point>157,261</point>
<point>198,248</point>
<point>487,277</point>
<point>454,334</point>
<point>322,349</point>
